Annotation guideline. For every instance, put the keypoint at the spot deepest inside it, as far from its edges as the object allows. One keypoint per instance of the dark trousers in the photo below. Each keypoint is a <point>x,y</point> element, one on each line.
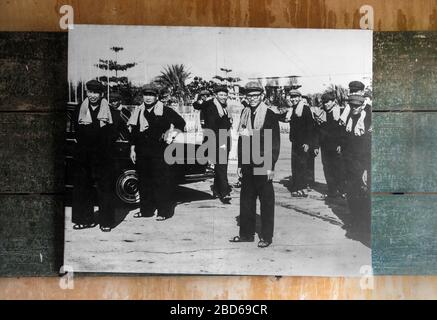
<point>333,169</point>
<point>310,176</point>
<point>221,184</point>
<point>299,166</point>
<point>89,171</point>
<point>156,187</point>
<point>358,195</point>
<point>253,187</point>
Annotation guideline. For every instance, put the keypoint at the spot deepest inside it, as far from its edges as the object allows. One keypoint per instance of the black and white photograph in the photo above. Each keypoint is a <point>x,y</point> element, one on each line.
<point>222,151</point>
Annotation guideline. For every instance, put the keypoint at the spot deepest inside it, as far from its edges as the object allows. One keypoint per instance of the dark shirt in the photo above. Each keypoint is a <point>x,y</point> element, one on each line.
<point>330,134</point>
<point>92,139</point>
<point>303,128</point>
<point>358,148</point>
<point>270,123</point>
<point>151,141</point>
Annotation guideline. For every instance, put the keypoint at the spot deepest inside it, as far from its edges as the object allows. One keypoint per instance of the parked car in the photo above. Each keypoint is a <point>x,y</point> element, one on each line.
<point>126,183</point>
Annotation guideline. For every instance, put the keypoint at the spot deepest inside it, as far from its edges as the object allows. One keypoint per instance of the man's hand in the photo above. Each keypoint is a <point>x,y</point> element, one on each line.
<point>133,155</point>
<point>239,173</point>
<point>305,147</point>
<point>316,152</point>
<point>365,177</point>
<point>339,149</point>
<point>270,175</point>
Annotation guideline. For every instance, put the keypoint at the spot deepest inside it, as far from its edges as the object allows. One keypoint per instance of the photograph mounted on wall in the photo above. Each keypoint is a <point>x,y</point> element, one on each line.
<point>228,151</point>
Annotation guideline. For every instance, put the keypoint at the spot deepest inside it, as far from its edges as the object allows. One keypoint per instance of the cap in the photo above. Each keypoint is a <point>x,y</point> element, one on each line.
<point>114,96</point>
<point>294,93</point>
<point>150,88</point>
<point>221,88</point>
<point>356,100</point>
<point>204,93</point>
<point>355,86</point>
<point>94,86</point>
<point>253,86</point>
<point>328,96</point>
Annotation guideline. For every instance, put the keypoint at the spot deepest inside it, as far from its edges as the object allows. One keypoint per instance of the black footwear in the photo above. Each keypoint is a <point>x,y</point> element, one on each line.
<point>242,239</point>
<point>264,244</point>
<point>225,200</point>
<point>79,226</point>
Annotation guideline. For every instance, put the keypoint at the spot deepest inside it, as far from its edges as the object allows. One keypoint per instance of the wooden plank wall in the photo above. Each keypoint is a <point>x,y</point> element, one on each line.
<point>32,91</point>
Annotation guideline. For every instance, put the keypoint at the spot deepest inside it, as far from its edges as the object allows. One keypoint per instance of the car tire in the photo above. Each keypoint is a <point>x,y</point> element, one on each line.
<point>126,187</point>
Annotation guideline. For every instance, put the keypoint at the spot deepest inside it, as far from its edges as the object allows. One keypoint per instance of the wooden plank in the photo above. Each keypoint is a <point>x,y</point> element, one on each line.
<point>219,288</point>
<point>32,157</point>
<point>404,71</point>
<point>32,234</point>
<point>33,71</point>
<point>403,152</point>
<point>389,15</point>
<point>404,234</point>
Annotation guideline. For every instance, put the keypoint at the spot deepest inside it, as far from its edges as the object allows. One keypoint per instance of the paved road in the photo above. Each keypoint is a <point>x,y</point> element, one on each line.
<point>309,236</point>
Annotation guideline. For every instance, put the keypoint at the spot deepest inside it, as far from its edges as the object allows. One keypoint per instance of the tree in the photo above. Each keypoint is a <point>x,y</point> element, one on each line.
<point>174,77</point>
<point>341,93</point>
<point>113,65</point>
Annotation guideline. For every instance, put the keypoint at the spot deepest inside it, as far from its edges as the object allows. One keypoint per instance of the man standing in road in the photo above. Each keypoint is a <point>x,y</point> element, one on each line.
<point>152,127</point>
<point>257,178</point>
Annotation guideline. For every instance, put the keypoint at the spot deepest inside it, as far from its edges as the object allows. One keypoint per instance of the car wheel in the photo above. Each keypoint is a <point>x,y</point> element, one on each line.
<point>127,187</point>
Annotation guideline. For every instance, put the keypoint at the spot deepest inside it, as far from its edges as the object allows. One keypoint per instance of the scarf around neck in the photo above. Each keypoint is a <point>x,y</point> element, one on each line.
<point>298,110</point>
<point>360,128</point>
<point>322,116</point>
<point>138,112</point>
<point>220,108</point>
<point>245,126</point>
<point>104,116</point>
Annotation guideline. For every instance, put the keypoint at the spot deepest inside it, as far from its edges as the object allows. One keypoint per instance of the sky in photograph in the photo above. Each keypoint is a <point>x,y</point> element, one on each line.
<point>319,57</point>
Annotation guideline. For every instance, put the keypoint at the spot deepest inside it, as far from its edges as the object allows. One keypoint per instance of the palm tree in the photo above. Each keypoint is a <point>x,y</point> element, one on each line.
<point>174,77</point>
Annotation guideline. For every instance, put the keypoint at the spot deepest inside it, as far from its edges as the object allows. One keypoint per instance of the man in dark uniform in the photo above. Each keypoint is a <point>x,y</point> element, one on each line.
<point>302,134</point>
<point>152,128</point>
<point>94,161</point>
<point>357,155</point>
<point>257,178</point>
<point>199,104</point>
<point>330,139</point>
<point>217,119</point>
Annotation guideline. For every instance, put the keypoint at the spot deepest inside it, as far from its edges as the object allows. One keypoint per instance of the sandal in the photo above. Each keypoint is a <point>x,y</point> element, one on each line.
<point>79,226</point>
<point>299,194</point>
<point>162,218</point>
<point>264,244</point>
<point>105,229</point>
<point>242,239</point>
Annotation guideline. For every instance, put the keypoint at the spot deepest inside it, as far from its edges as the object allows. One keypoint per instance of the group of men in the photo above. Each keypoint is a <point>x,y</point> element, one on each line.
<point>342,135</point>
<point>151,127</point>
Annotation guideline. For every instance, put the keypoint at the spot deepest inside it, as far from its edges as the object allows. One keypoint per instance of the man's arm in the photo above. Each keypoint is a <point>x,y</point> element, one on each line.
<point>177,121</point>
<point>272,124</point>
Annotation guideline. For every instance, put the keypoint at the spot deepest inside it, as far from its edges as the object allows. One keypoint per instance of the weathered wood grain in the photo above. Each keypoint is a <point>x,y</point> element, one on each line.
<point>33,71</point>
<point>32,152</point>
<point>390,15</point>
<point>404,71</point>
<point>225,287</point>
<point>404,234</point>
<point>31,233</point>
<point>404,152</point>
